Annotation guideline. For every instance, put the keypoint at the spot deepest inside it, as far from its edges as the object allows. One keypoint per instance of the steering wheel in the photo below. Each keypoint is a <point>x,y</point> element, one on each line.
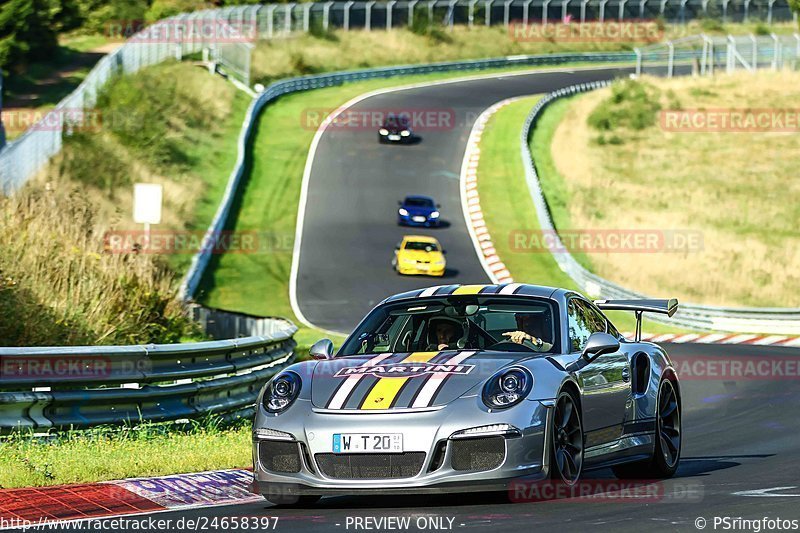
<point>510,346</point>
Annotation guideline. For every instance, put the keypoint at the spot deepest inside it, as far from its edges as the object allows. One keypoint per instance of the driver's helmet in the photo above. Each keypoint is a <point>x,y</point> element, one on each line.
<point>532,323</point>
<point>458,329</point>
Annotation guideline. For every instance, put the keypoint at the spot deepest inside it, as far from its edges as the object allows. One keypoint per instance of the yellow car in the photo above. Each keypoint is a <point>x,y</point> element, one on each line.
<point>419,255</point>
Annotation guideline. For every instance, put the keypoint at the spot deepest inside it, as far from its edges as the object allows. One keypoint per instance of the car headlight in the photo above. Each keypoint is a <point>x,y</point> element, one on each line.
<point>405,133</point>
<point>507,388</point>
<point>403,212</point>
<point>383,131</point>
<point>435,214</point>
<point>281,392</point>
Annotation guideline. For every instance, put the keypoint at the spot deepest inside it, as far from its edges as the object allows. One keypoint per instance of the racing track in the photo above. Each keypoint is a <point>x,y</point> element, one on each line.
<point>349,226</point>
<point>738,435</point>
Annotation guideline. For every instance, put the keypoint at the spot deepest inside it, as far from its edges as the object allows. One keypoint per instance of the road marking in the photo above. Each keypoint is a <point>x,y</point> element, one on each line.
<point>767,493</point>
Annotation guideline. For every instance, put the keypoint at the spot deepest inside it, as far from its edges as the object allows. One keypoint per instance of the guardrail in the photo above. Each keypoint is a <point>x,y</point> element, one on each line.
<point>80,387</point>
<point>700,317</point>
<point>200,260</point>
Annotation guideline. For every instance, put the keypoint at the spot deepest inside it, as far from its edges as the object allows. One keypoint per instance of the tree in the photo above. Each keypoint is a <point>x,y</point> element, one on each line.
<point>26,33</point>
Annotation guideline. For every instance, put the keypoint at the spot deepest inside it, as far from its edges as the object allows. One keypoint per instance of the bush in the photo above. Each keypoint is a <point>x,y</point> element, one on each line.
<point>632,105</point>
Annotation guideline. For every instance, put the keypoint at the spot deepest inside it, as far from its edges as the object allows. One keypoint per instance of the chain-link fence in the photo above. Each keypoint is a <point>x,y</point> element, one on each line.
<point>706,55</point>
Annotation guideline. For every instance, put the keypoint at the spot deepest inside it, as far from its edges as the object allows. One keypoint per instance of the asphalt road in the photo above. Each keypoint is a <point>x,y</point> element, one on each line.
<point>738,436</point>
<point>350,224</point>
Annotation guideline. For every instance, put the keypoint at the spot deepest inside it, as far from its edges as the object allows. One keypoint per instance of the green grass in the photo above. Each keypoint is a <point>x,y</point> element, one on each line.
<point>106,454</point>
<point>507,205</point>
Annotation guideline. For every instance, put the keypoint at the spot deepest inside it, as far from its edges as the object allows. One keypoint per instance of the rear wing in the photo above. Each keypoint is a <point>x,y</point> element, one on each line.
<point>664,307</point>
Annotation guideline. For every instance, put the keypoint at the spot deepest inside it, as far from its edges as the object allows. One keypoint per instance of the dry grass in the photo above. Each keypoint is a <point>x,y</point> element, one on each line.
<point>57,286</point>
<point>339,50</point>
<point>739,189</point>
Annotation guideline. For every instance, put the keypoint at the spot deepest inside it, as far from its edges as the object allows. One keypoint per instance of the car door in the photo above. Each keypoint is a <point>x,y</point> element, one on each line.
<point>605,381</point>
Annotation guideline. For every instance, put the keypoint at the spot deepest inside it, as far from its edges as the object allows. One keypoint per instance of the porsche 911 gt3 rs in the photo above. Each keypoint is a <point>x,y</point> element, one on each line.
<point>469,388</point>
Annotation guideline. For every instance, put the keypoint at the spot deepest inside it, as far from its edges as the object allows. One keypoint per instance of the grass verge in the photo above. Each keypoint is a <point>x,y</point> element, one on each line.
<point>106,454</point>
<point>725,202</point>
<point>508,208</point>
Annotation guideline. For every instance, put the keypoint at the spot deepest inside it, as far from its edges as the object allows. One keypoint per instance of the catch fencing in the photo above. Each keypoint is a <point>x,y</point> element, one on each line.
<point>779,321</point>
<point>706,55</point>
<point>80,387</point>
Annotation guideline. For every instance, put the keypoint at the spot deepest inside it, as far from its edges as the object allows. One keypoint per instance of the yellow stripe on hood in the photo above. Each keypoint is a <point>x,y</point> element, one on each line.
<point>386,389</point>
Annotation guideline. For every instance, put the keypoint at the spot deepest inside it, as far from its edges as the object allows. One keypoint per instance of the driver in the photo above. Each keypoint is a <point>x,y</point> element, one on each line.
<point>529,332</point>
<point>444,334</point>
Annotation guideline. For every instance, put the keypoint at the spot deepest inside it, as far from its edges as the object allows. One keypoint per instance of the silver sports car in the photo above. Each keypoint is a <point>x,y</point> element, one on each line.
<point>470,388</point>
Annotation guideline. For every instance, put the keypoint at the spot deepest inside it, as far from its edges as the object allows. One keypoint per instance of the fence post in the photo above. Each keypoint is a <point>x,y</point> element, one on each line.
<point>389,7</point>
<point>368,15</point>
<point>603,10</point>
<point>287,21</point>
<point>746,10</point>
<point>431,3</point>
<point>564,4</point>
<point>670,59</point>
<point>488,5</point>
<point>769,11</point>
<point>326,15</point>
<point>622,9</point>
<point>471,13</point>
<point>307,16</point>
<point>776,50</point>
<point>638,53</point>
<point>506,12</point>
<point>641,8</point>
<point>663,7</point>
<point>544,11</point>
<point>411,12</point>
<point>725,11</point>
<point>347,7</point>
<point>271,20</point>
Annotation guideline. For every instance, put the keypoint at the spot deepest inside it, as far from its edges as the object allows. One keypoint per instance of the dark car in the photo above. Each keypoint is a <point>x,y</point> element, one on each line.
<point>395,129</point>
<point>418,211</point>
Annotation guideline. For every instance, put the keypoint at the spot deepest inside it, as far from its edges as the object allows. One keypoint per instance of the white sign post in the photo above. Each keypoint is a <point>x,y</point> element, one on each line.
<point>147,206</point>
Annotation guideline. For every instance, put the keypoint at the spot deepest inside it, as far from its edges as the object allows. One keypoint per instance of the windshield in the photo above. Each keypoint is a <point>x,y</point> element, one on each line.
<point>455,324</point>
<point>425,246</point>
<point>418,202</point>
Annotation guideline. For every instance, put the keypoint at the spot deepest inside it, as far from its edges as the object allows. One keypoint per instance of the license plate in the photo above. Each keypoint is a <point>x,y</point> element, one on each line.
<point>394,137</point>
<point>418,219</point>
<point>367,442</point>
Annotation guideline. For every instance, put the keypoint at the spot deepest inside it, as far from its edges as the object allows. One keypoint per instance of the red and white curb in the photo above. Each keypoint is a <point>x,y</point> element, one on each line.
<point>39,506</point>
<point>720,338</point>
<point>471,202</point>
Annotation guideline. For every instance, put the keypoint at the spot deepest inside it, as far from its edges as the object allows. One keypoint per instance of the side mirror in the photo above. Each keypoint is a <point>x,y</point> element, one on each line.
<point>438,206</point>
<point>599,344</point>
<point>322,349</point>
<point>399,202</point>
<point>444,252</point>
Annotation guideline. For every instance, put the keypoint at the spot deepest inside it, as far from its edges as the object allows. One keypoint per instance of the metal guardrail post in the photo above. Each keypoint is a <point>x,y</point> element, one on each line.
<point>671,59</point>
<point>638,52</point>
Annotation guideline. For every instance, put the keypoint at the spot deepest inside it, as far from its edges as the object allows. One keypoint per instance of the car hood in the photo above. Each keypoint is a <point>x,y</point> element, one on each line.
<point>404,380</point>
<point>421,255</point>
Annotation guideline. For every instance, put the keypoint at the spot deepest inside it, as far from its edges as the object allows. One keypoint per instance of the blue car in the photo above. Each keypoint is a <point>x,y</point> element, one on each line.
<point>418,211</point>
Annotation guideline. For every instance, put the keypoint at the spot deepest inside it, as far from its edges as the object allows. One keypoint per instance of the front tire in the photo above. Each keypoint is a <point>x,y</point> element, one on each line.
<point>566,441</point>
<point>667,449</point>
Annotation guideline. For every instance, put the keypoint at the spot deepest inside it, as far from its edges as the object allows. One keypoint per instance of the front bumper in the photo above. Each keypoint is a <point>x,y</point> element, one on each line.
<point>423,431</point>
<point>408,220</point>
<point>414,271</point>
